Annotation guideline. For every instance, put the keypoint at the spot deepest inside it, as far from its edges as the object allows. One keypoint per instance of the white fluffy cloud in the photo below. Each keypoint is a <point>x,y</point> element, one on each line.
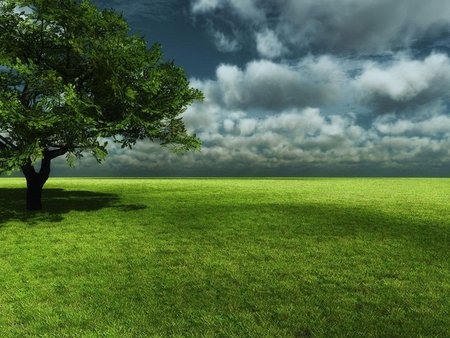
<point>405,82</point>
<point>201,6</point>
<point>434,126</point>
<point>399,85</point>
<point>267,85</point>
<point>247,9</point>
<point>268,44</point>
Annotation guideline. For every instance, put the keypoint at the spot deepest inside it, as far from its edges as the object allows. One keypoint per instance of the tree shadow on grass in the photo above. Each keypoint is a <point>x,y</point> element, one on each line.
<point>57,203</point>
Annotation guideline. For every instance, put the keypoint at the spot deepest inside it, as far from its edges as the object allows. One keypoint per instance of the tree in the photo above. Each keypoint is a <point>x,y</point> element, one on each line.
<point>71,77</point>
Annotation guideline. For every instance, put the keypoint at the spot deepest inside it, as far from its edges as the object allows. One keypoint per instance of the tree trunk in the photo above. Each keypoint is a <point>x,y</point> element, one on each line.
<point>35,182</point>
<point>34,194</point>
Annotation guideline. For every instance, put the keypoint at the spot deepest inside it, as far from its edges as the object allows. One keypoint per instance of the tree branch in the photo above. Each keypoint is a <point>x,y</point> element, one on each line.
<point>51,154</point>
<point>24,97</point>
<point>63,146</point>
<point>41,52</point>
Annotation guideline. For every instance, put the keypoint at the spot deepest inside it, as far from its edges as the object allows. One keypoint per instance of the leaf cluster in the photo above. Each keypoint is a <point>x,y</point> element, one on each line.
<point>72,75</point>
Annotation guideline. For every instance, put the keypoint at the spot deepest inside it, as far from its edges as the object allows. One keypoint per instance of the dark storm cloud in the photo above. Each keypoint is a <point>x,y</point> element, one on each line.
<point>362,26</point>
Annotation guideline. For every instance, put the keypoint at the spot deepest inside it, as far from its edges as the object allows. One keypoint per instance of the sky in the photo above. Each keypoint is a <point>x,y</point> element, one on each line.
<point>299,88</point>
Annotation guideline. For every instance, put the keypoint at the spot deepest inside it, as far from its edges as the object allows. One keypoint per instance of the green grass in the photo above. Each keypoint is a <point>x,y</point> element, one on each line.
<point>226,258</point>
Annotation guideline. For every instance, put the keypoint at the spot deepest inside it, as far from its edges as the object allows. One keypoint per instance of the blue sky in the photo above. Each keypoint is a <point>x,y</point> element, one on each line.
<point>300,87</point>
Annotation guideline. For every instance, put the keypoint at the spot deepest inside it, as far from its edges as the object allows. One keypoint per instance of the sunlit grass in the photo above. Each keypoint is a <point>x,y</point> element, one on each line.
<point>226,257</point>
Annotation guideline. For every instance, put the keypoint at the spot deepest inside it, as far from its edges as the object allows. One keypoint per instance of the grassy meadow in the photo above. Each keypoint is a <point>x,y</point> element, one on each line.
<point>226,258</point>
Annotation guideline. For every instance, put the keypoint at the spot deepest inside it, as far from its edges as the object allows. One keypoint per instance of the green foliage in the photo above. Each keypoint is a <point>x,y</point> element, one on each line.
<point>227,258</point>
<point>72,75</point>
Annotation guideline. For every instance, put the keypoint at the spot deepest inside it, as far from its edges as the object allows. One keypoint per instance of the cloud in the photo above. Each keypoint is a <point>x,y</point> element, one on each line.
<point>202,6</point>
<point>405,83</point>
<point>296,141</point>
<point>361,25</point>
<point>246,9</point>
<point>436,126</point>
<point>294,136</point>
<point>267,85</point>
<point>224,43</point>
<point>268,44</point>
<point>342,26</point>
<point>278,117</point>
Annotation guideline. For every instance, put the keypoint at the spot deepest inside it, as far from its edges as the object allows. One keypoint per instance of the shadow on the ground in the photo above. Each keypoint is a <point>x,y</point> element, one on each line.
<point>56,203</point>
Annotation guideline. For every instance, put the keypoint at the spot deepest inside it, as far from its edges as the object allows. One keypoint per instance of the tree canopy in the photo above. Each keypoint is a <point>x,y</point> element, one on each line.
<point>72,77</point>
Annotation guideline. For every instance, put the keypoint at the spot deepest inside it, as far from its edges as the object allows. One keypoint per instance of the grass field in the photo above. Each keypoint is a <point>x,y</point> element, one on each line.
<point>226,258</point>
